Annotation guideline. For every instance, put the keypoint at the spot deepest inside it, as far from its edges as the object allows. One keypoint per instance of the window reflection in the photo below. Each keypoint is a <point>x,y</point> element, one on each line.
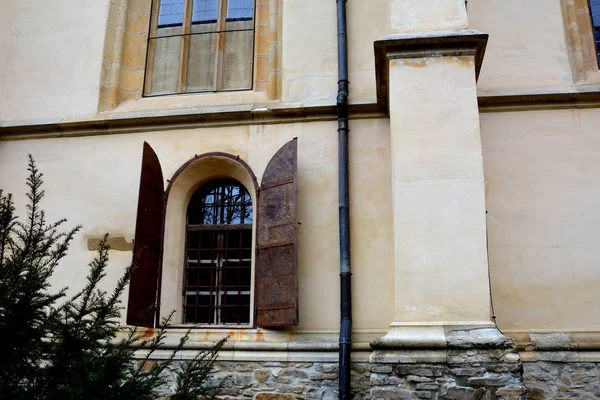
<point>170,13</point>
<point>220,203</point>
<point>218,266</point>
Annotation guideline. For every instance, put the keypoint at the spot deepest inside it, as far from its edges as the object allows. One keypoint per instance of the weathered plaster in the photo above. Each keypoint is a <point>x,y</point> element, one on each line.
<point>427,15</point>
<point>527,46</point>
<point>53,67</point>
<point>542,217</point>
<point>438,197</point>
<point>116,243</point>
<point>103,176</point>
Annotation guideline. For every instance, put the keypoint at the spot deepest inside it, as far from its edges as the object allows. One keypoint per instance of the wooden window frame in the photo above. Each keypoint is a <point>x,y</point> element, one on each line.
<point>186,34</point>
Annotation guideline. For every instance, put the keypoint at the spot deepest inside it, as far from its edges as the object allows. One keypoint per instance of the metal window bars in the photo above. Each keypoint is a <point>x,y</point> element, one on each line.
<point>217,279</point>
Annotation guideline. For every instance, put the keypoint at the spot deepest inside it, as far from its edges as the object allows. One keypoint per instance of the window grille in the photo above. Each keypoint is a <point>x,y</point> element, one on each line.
<point>217,281</point>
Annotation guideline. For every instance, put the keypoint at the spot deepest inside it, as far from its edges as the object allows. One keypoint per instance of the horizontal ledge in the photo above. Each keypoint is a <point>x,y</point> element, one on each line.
<point>550,341</point>
<point>184,119</point>
<point>234,116</point>
<point>259,339</point>
<point>250,346</point>
<point>539,101</point>
<point>272,357</point>
<point>422,45</point>
<point>441,336</point>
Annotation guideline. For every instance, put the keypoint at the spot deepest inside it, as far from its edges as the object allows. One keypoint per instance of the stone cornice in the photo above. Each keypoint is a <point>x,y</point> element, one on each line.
<point>551,100</point>
<point>217,116</point>
<point>424,44</point>
<point>132,122</point>
<point>544,341</point>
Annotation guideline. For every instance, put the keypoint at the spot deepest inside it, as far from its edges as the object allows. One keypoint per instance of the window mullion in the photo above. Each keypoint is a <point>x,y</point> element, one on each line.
<point>186,29</point>
<point>220,44</point>
<point>154,11</point>
<point>219,277</point>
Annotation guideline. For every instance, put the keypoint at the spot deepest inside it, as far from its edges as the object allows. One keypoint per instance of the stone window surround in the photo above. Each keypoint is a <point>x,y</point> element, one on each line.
<point>580,42</point>
<point>124,57</point>
<point>192,176</point>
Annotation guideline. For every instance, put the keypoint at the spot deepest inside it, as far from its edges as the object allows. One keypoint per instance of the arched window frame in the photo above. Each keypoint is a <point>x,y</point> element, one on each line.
<point>155,287</point>
<point>185,182</point>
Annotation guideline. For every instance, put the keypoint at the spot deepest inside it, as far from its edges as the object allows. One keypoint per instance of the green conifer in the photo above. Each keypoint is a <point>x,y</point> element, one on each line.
<point>55,347</point>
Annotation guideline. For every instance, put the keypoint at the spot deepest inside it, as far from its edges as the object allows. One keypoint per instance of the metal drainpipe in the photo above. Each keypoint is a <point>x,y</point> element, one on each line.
<point>344,215</point>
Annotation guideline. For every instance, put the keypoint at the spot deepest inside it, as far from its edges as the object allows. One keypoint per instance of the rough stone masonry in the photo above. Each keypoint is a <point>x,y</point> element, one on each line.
<point>471,372</point>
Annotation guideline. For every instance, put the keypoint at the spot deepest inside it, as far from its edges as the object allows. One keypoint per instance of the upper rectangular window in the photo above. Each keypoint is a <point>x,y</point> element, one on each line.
<point>199,46</point>
<point>595,12</point>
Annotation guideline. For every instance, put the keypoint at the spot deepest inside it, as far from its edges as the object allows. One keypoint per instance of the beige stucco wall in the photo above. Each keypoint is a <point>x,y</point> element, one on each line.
<point>540,166</point>
<point>438,192</point>
<point>55,52</point>
<point>54,68</point>
<point>541,170</point>
<point>526,48</point>
<point>310,74</point>
<point>6,42</point>
<point>427,15</point>
<point>101,174</point>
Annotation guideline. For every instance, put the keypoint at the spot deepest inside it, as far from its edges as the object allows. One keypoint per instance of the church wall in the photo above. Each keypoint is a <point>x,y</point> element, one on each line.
<point>100,174</point>
<point>542,204</point>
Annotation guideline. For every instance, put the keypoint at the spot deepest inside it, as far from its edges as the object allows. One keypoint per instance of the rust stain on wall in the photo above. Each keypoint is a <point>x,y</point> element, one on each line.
<point>146,333</point>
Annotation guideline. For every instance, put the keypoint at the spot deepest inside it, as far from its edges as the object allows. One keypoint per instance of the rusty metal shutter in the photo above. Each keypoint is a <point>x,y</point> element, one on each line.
<point>147,251</point>
<point>277,241</point>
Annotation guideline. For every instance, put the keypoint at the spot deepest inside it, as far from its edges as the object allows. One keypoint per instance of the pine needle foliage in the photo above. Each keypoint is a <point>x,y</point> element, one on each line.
<point>193,378</point>
<point>55,347</point>
<point>30,252</point>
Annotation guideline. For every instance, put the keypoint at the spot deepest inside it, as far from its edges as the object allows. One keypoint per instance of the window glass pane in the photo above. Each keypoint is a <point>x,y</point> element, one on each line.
<point>199,309</point>
<point>237,63</point>
<point>163,66</point>
<point>217,280</point>
<point>200,78</point>
<point>170,13</point>
<point>236,309</point>
<point>595,11</point>
<point>204,11</point>
<point>220,203</point>
<point>240,10</point>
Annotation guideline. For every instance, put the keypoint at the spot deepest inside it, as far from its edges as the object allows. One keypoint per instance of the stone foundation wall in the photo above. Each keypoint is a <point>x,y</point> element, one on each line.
<point>501,380</point>
<point>561,380</point>
<point>290,381</point>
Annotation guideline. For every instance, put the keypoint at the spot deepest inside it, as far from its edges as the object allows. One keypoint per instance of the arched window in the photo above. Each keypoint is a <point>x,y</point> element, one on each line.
<point>218,269</point>
<point>214,274</point>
